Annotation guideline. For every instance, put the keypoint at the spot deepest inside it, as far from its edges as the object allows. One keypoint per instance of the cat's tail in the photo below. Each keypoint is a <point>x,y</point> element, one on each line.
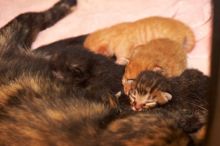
<point>23,29</point>
<point>189,41</point>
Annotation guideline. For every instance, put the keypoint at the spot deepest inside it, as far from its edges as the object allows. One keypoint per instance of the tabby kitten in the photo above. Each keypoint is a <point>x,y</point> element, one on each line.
<point>189,104</point>
<point>120,40</point>
<point>152,88</point>
<point>161,55</point>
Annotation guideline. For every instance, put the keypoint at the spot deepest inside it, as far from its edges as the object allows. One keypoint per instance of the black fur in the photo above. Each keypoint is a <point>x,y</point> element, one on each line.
<point>189,104</point>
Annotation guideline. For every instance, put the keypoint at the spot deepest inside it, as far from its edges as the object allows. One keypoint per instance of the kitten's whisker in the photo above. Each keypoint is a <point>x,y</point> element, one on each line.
<point>198,106</point>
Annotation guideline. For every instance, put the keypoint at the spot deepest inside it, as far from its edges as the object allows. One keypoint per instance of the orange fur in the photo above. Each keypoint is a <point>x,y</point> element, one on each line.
<point>120,39</point>
<point>160,53</point>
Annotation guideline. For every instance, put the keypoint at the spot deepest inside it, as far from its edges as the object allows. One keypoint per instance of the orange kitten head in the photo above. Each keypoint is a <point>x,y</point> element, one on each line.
<point>133,69</point>
<point>160,55</point>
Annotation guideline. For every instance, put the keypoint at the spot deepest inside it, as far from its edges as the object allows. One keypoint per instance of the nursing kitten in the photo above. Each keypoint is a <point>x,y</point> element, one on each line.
<point>121,39</point>
<point>161,55</point>
<point>152,88</point>
<point>189,104</point>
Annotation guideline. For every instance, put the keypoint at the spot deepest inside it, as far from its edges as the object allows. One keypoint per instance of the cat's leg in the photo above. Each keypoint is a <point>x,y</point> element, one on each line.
<point>23,29</point>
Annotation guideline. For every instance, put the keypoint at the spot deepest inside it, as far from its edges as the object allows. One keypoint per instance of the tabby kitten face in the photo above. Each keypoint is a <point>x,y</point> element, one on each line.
<point>149,89</point>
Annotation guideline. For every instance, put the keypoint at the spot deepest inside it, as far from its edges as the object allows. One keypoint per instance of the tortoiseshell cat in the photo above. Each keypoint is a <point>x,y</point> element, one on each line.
<point>145,129</point>
<point>39,107</point>
<point>121,39</point>
<point>161,55</point>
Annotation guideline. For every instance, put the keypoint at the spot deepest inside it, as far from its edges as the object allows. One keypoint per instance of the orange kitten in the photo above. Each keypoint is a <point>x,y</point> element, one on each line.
<point>120,39</point>
<point>163,55</point>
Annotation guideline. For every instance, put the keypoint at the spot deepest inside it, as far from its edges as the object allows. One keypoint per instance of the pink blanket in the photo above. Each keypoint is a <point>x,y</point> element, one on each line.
<point>93,14</point>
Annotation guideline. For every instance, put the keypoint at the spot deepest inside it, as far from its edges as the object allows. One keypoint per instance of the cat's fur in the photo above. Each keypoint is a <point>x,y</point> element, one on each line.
<point>121,39</point>
<point>145,129</point>
<point>189,104</point>
<point>39,107</point>
<point>189,96</point>
<point>161,55</point>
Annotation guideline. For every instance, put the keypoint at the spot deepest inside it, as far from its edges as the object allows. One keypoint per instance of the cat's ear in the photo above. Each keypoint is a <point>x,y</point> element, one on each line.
<point>158,69</point>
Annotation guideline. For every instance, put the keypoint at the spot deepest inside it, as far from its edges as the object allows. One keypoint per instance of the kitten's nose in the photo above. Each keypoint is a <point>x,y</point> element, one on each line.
<point>137,107</point>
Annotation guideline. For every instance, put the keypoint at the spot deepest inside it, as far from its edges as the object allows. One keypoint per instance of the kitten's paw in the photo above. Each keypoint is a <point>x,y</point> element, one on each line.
<point>150,105</point>
<point>122,61</point>
<point>118,94</point>
<point>163,97</point>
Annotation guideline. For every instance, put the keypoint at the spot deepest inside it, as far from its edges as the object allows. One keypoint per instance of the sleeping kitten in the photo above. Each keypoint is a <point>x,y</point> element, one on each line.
<point>189,104</point>
<point>161,55</point>
<point>121,39</point>
<point>151,88</point>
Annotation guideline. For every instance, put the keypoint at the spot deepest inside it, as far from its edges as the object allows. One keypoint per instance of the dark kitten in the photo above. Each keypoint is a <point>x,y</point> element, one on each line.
<point>152,88</point>
<point>189,104</point>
